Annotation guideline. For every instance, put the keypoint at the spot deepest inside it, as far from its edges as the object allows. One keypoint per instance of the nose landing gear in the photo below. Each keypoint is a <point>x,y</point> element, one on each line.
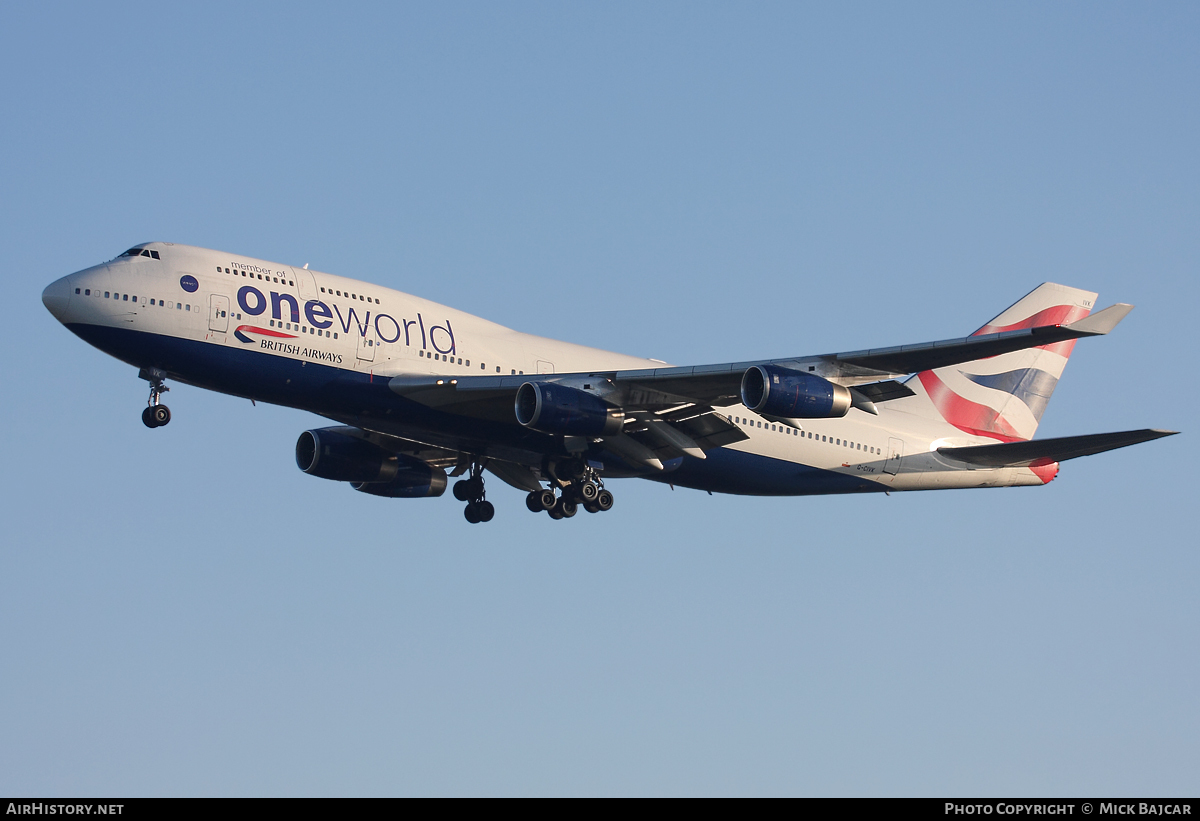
<point>471,491</point>
<point>155,414</point>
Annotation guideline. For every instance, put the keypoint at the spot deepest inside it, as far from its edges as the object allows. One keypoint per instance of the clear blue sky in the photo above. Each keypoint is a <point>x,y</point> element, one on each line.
<point>182,612</point>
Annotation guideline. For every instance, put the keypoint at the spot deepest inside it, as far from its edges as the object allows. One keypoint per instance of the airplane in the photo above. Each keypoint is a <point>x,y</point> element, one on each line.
<point>418,389</point>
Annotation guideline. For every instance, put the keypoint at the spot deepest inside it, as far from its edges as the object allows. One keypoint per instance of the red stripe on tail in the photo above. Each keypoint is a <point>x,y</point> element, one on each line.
<point>967,416</point>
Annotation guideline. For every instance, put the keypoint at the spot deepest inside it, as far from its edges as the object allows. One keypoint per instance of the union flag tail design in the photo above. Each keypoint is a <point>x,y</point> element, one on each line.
<point>1003,397</point>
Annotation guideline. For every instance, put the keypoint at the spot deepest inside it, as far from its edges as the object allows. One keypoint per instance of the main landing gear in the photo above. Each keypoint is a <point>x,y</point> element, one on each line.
<point>585,489</point>
<point>471,491</point>
<point>155,415</point>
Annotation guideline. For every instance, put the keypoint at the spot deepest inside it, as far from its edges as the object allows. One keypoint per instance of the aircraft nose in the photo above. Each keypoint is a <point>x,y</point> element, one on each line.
<point>56,296</point>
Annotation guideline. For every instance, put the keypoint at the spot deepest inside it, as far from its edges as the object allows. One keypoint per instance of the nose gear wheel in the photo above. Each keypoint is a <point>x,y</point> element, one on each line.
<point>155,414</point>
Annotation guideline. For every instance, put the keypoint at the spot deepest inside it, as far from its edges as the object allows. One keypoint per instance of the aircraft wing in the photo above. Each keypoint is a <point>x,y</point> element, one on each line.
<point>1023,454</point>
<point>720,384</point>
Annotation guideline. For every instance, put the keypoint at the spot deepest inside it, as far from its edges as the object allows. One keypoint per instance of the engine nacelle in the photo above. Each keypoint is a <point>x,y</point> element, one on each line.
<point>551,408</point>
<point>414,479</point>
<point>774,391</point>
<point>331,454</point>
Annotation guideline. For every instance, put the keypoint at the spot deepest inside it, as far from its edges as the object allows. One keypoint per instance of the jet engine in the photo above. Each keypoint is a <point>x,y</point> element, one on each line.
<point>414,479</point>
<point>331,454</point>
<point>551,408</point>
<point>774,391</point>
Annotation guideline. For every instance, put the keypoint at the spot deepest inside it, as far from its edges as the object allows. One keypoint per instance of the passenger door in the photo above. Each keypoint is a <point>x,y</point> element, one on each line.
<point>367,343</point>
<point>218,313</point>
<point>894,455</point>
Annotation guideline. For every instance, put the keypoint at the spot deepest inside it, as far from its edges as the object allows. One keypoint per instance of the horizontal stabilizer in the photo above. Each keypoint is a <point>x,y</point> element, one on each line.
<point>1044,451</point>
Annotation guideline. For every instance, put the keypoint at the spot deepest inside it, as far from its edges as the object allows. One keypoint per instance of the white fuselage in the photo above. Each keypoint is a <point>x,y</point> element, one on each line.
<point>200,315</point>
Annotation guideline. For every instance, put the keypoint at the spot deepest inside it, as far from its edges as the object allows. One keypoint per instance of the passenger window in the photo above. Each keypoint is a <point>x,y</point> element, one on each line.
<point>87,292</point>
<point>126,298</point>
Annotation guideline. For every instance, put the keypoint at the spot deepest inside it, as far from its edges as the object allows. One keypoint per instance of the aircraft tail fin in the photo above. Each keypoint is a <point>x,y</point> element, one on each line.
<point>1003,397</point>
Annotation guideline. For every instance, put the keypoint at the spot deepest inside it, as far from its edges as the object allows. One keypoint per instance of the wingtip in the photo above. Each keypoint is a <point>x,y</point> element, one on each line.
<point>1103,321</point>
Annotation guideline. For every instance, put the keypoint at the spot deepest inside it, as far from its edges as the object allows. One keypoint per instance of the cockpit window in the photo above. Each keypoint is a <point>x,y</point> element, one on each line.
<point>141,252</point>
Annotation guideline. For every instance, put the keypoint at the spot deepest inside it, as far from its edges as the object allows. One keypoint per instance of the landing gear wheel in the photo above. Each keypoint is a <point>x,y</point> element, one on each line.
<point>555,513</point>
<point>155,415</point>
<point>576,468</point>
<point>547,499</point>
<point>534,502</point>
<point>588,491</point>
<point>473,514</point>
<point>470,490</point>
<point>604,500</point>
<point>486,511</point>
<point>567,508</point>
<point>462,491</point>
<point>591,507</point>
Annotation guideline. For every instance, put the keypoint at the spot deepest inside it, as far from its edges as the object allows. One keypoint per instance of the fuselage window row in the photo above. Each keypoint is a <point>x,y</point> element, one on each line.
<point>810,435</point>
<point>350,295</point>
<point>133,298</point>
<point>268,278</point>
<point>304,329</point>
